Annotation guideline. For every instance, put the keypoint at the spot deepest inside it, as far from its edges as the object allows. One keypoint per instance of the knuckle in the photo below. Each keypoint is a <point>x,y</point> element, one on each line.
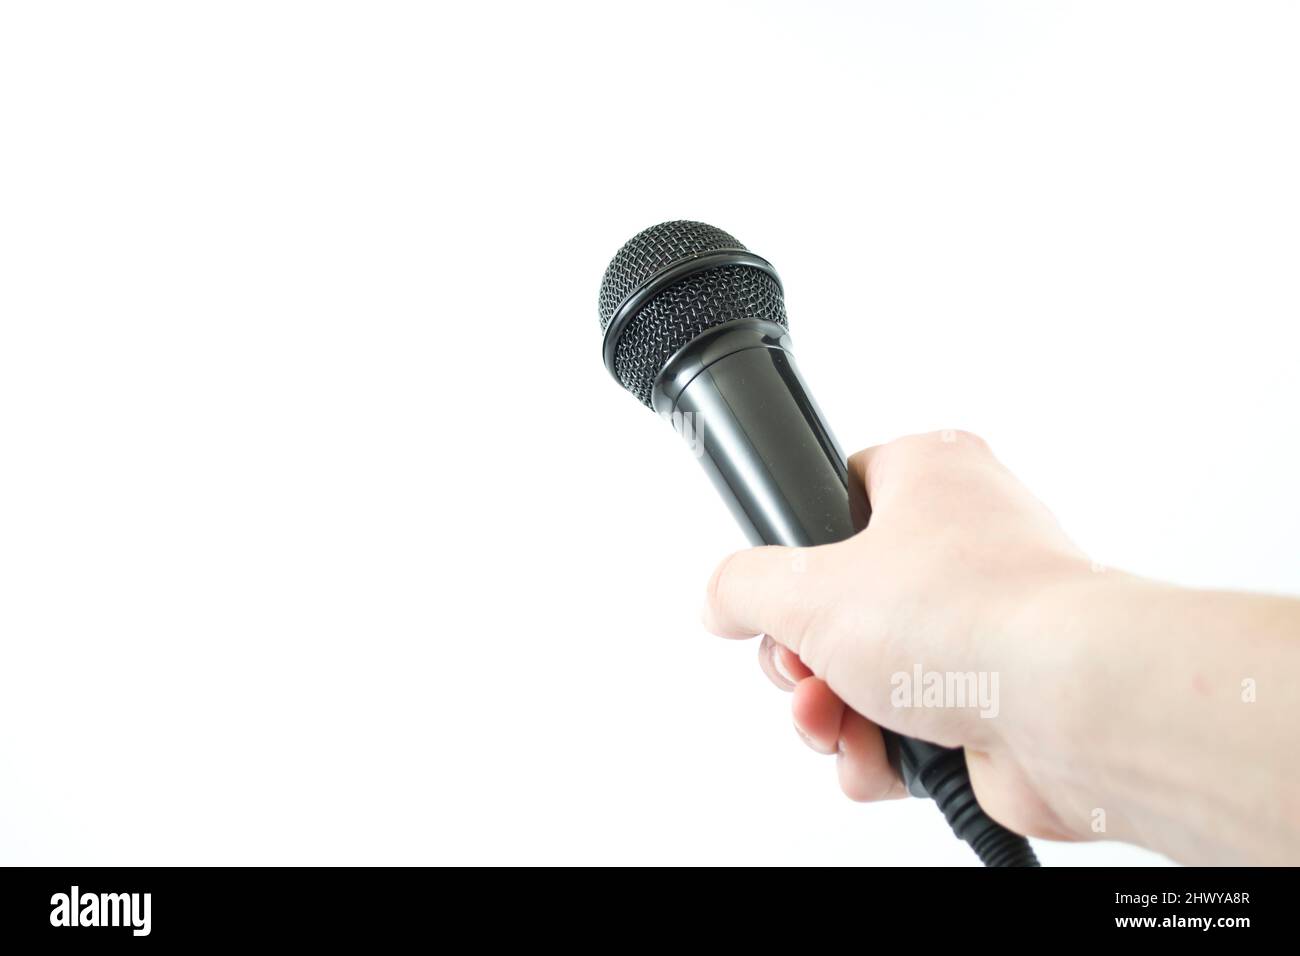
<point>859,459</point>
<point>959,438</point>
<point>970,438</point>
<point>919,454</point>
<point>905,449</point>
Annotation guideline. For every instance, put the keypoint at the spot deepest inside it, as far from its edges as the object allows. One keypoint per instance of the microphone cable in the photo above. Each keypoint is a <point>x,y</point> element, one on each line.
<point>942,775</point>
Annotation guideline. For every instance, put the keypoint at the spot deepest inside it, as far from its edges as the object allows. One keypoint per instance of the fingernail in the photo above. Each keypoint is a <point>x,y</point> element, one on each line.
<point>778,662</point>
<point>810,742</point>
<point>772,653</point>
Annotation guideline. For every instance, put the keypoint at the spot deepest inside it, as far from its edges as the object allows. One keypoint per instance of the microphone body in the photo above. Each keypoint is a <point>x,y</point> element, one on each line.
<point>737,396</point>
<point>712,353</point>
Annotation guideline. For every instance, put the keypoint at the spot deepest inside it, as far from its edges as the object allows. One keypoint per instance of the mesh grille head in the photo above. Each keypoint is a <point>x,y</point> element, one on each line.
<point>683,310</point>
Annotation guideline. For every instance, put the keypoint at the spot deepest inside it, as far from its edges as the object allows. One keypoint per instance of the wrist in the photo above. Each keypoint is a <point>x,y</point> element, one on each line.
<point>1139,729</point>
<point>1068,703</point>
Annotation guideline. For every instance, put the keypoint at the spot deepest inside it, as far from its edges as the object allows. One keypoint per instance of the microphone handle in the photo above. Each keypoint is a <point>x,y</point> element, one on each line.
<point>735,394</point>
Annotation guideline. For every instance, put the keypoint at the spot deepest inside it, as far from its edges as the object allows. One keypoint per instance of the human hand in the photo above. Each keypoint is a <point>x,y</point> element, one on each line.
<point>956,552</point>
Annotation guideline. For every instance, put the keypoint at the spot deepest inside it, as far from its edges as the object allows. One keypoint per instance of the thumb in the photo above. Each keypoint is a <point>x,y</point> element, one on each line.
<point>770,590</point>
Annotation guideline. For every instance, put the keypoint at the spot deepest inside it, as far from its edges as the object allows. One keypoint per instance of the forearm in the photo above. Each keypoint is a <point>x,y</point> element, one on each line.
<point>1183,724</point>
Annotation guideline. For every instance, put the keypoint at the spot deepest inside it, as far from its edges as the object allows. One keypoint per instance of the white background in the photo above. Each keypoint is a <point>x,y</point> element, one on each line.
<point>324,534</point>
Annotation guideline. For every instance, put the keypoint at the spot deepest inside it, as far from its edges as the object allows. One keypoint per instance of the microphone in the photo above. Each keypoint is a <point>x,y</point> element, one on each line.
<point>695,327</point>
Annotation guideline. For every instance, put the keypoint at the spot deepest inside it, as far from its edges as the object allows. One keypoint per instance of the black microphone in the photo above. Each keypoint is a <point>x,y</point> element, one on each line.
<point>695,327</point>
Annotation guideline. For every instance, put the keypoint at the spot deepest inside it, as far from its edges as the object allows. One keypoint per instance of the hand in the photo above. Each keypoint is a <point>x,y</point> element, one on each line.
<point>955,550</point>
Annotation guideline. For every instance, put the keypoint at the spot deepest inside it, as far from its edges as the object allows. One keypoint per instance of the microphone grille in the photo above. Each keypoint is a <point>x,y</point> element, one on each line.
<point>651,250</point>
<point>685,309</point>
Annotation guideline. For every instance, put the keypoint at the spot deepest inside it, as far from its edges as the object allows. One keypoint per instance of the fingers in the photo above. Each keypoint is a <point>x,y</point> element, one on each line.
<point>865,773</point>
<point>817,715</point>
<point>768,590</point>
<point>782,667</point>
<point>829,727</point>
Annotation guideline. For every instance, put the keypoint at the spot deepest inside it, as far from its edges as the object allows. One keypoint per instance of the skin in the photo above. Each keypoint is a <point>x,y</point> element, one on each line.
<point>1174,712</point>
